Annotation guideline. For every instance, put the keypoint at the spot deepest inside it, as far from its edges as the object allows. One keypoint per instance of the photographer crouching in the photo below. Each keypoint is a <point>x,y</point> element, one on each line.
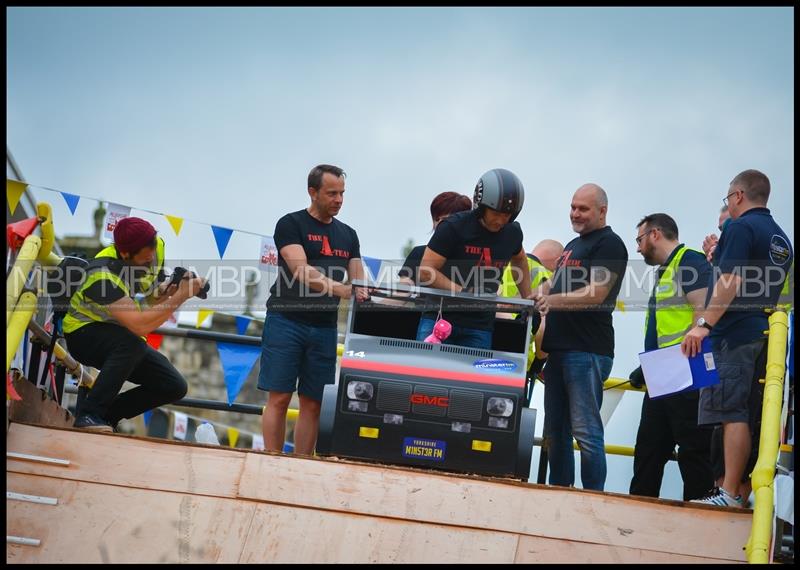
<point>106,326</point>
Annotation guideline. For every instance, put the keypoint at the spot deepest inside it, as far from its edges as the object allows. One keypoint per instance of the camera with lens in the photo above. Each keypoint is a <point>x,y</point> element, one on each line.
<point>179,273</point>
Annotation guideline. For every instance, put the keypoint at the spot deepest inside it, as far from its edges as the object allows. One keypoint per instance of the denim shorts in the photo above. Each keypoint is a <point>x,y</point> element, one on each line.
<point>291,351</point>
<point>739,368</point>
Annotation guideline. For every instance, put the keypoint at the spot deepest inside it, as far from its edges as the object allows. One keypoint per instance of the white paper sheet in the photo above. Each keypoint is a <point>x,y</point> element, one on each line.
<point>665,370</point>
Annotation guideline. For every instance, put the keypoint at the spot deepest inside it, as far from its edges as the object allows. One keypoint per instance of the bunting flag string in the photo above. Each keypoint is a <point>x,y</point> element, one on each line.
<point>181,426</point>
<point>267,257</point>
<point>154,340</point>
<point>237,361</point>
<point>268,254</point>
<point>233,436</point>
<point>202,315</point>
<point>72,201</point>
<point>14,190</point>
<point>114,213</point>
<point>374,266</point>
<point>242,323</point>
<point>175,222</point>
<point>222,237</point>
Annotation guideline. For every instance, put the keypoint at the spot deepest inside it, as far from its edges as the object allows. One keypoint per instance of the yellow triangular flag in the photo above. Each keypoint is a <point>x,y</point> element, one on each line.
<point>621,306</point>
<point>14,190</point>
<point>202,315</point>
<point>233,436</point>
<point>175,222</point>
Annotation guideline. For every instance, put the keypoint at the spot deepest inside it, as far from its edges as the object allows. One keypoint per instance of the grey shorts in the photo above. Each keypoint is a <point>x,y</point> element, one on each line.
<point>729,401</point>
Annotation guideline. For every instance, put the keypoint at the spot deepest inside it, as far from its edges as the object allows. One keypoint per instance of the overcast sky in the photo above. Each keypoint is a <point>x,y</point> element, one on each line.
<point>217,115</point>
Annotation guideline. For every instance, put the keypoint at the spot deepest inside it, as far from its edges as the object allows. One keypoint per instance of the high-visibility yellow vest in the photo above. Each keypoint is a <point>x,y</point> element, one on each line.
<point>508,288</point>
<point>673,312</point>
<point>83,310</point>
<point>539,273</point>
<point>146,282</point>
<point>786,300</point>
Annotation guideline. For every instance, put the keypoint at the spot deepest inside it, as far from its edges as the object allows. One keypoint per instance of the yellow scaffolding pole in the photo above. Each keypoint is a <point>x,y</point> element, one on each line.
<point>45,214</point>
<point>18,323</point>
<point>612,449</point>
<point>20,271</point>
<point>760,541</point>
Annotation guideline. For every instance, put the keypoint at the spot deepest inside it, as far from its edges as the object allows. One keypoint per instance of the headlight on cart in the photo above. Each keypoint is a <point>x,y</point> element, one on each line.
<point>502,407</point>
<point>359,390</point>
<point>498,422</point>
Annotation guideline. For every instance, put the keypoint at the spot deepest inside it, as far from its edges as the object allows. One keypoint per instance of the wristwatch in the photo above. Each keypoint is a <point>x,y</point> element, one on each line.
<point>701,322</point>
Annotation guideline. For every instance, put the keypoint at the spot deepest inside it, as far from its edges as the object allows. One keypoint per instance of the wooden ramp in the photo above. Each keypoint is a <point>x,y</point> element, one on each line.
<point>142,500</point>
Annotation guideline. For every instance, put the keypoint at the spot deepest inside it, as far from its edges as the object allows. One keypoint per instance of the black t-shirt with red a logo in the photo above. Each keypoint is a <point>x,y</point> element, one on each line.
<point>475,260</point>
<point>601,255</point>
<point>329,248</point>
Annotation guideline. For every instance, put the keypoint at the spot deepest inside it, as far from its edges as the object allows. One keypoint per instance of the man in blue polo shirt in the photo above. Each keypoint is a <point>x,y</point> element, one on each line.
<point>750,266</point>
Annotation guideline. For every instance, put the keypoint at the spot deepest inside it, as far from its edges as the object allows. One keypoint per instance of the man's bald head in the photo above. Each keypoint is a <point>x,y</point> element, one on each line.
<point>548,251</point>
<point>588,209</point>
<point>593,192</point>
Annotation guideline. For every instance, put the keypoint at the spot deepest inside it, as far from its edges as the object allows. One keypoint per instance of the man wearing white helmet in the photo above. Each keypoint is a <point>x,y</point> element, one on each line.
<point>468,252</point>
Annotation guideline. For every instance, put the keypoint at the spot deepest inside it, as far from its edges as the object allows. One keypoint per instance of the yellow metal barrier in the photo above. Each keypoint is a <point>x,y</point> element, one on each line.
<point>621,384</point>
<point>45,214</point>
<point>19,272</point>
<point>33,248</point>
<point>612,449</point>
<point>758,545</point>
<point>18,323</point>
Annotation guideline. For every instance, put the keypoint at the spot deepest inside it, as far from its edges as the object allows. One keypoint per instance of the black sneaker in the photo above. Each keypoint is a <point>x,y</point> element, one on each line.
<point>92,422</point>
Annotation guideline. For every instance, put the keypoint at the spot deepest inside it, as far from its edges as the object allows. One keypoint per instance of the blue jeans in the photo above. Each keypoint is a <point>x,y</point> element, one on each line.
<point>292,350</point>
<point>462,336</point>
<point>572,398</point>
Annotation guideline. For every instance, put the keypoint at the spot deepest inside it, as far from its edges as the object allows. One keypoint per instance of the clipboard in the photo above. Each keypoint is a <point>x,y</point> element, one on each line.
<point>667,371</point>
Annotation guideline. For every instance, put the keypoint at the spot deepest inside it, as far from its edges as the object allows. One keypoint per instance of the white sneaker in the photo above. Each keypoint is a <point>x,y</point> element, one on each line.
<point>721,498</point>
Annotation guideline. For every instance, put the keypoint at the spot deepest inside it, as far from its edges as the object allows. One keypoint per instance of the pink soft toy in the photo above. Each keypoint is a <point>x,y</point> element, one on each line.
<point>441,330</point>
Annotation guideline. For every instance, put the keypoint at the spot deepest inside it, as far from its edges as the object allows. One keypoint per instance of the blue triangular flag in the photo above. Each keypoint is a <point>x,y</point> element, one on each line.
<point>241,324</point>
<point>147,415</point>
<point>374,266</point>
<point>72,201</point>
<point>237,362</point>
<point>222,236</point>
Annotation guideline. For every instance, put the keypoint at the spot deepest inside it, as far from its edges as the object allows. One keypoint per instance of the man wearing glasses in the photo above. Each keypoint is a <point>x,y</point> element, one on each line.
<point>678,298</point>
<point>710,241</point>
<point>751,262</point>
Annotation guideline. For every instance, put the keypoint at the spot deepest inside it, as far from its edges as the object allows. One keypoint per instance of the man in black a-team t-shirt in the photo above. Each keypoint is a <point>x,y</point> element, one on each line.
<point>579,338</point>
<point>316,253</point>
<point>468,252</point>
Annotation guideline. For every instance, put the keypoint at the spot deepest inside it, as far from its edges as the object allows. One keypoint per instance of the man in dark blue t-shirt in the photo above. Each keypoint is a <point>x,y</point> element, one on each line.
<point>751,262</point>
<point>579,338</point>
<point>677,299</point>
<point>316,254</point>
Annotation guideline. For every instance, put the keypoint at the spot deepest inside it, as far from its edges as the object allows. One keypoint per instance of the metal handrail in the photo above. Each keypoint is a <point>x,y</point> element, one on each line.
<point>759,543</point>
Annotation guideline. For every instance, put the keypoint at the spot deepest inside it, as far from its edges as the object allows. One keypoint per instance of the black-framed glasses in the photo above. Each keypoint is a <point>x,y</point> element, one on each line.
<point>725,199</point>
<point>639,238</point>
